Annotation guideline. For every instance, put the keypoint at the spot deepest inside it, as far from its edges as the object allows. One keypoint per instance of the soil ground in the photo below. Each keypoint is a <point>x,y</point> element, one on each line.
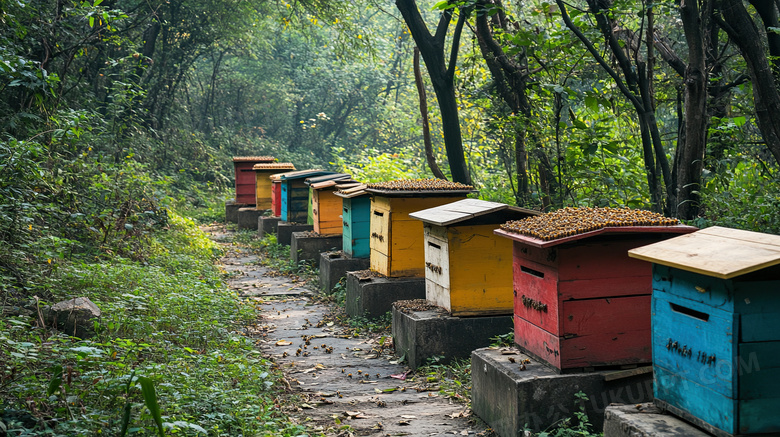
<point>346,384</point>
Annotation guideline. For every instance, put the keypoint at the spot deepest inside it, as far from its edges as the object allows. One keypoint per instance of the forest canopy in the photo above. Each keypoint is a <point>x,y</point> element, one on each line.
<point>110,110</point>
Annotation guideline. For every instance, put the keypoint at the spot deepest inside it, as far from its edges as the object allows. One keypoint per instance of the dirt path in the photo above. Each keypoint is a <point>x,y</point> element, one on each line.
<point>345,382</point>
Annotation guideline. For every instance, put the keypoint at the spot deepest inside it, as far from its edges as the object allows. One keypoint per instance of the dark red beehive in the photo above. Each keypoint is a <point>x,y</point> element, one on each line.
<point>580,301</point>
<point>245,177</point>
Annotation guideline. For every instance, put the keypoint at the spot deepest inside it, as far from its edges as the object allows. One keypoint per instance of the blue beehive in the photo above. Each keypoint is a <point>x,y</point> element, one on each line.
<point>716,328</point>
<point>356,216</point>
<point>295,194</point>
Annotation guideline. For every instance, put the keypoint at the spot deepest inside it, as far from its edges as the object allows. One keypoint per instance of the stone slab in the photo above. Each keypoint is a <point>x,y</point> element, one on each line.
<point>645,420</point>
<point>510,399</point>
<point>335,265</point>
<point>372,297</point>
<point>267,226</point>
<point>422,335</point>
<point>231,210</point>
<point>284,231</point>
<point>307,246</point>
<point>247,217</point>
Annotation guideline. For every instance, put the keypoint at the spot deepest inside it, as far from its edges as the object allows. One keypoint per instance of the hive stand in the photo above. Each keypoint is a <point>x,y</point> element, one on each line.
<point>231,210</point>
<point>645,420</point>
<point>716,329</point>
<point>580,301</point>
<point>355,203</point>
<point>248,217</point>
<point>396,249</point>
<point>510,399</point>
<point>468,274</point>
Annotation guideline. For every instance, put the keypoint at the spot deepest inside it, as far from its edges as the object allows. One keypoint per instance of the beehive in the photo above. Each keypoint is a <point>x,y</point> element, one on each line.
<point>468,269</point>
<point>355,215</point>
<point>580,301</point>
<point>295,194</point>
<point>263,183</point>
<point>276,195</point>
<point>324,206</point>
<point>245,177</point>
<point>716,328</point>
<point>396,240</point>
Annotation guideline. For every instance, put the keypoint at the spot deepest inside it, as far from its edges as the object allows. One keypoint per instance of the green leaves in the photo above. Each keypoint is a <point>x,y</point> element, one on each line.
<point>150,399</point>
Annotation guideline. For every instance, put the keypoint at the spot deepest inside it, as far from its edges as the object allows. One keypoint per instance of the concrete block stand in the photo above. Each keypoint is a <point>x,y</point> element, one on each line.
<point>231,210</point>
<point>335,265</point>
<point>284,231</point>
<point>307,246</point>
<point>247,217</point>
<point>421,335</point>
<point>371,295</point>
<point>267,225</point>
<point>645,420</point>
<point>509,399</point>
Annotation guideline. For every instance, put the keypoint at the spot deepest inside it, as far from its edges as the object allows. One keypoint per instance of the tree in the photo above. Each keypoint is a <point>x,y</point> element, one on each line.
<point>442,74</point>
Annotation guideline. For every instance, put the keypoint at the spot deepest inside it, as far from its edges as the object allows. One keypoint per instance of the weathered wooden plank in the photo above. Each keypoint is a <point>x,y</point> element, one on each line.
<point>757,368</point>
<point>699,401</point>
<point>536,295</point>
<point>603,259</point>
<point>760,416</point>
<point>537,341</point>
<point>535,242</point>
<point>715,292</point>
<point>603,287</point>
<point>711,255</point>
<point>702,342</point>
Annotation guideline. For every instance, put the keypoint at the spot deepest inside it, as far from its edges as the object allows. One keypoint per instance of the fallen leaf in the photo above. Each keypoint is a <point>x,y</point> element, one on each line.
<point>509,351</point>
<point>307,406</point>
<point>401,376</point>
<point>408,416</point>
<point>404,422</point>
<point>283,343</point>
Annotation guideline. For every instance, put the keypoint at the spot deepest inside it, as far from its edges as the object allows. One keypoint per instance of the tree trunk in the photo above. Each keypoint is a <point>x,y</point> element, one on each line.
<point>738,24</point>
<point>418,80</point>
<point>442,74</point>
<point>691,157</point>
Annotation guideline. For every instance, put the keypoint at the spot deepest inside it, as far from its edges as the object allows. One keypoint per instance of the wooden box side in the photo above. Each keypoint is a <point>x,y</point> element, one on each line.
<point>538,342</point>
<point>357,217</point>
<point>480,271</point>
<point>535,293</point>
<point>245,182</point>
<point>708,290</point>
<point>328,213</point>
<point>606,332</point>
<point>602,258</point>
<point>263,192</point>
<point>437,266</point>
<point>759,388</point>
<point>276,198</point>
<point>379,238</point>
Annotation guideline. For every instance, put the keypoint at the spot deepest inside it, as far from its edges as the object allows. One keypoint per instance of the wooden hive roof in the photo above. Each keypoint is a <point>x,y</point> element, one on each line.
<point>466,210</point>
<point>274,166</point>
<point>717,251</point>
<point>253,159</point>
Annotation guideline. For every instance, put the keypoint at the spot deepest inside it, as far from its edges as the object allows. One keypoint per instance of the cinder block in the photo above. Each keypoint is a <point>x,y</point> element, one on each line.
<point>645,420</point>
<point>421,335</point>
<point>247,217</point>
<point>335,265</point>
<point>267,225</point>
<point>284,231</point>
<point>231,210</point>
<point>510,399</point>
<point>307,246</point>
<point>372,297</point>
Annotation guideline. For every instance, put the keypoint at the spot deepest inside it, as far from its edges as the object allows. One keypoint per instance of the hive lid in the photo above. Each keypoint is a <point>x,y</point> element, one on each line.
<point>351,192</point>
<point>717,251</point>
<point>535,242</point>
<point>420,188</point>
<point>466,209</point>
<point>301,174</point>
<point>330,176</point>
<point>253,159</point>
<point>274,166</point>
<point>325,184</point>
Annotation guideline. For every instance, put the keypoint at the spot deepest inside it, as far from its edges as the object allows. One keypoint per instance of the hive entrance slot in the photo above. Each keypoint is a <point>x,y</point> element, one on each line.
<point>532,272</point>
<point>690,312</point>
<point>434,245</point>
<point>379,214</point>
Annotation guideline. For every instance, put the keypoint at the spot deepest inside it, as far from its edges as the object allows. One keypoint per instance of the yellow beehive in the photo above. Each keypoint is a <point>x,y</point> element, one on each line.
<point>396,240</point>
<point>263,181</point>
<point>468,269</point>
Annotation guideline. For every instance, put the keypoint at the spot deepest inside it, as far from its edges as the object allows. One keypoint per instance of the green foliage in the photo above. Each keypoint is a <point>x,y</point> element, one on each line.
<point>577,426</point>
<point>503,340</point>
<point>453,379</point>
<point>169,357</point>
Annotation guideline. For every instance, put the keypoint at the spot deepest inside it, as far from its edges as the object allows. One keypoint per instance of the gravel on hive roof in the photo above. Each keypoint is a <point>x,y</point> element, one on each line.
<point>571,221</point>
<point>419,184</point>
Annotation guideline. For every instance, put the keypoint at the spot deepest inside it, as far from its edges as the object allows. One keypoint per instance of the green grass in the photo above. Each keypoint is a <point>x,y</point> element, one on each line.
<point>170,319</point>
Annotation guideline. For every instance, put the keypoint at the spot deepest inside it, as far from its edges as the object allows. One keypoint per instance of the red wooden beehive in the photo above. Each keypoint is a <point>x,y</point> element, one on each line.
<point>580,301</point>
<point>245,176</point>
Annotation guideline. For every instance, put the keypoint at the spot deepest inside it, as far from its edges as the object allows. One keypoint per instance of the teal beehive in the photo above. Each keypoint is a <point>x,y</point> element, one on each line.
<point>716,329</point>
<point>295,194</point>
<point>356,215</point>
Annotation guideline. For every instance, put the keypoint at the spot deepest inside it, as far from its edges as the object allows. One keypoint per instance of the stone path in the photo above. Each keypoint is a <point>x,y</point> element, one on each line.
<point>349,385</point>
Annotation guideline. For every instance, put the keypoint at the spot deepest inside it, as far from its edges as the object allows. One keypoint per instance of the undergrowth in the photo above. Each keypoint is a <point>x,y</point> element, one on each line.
<point>168,318</point>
